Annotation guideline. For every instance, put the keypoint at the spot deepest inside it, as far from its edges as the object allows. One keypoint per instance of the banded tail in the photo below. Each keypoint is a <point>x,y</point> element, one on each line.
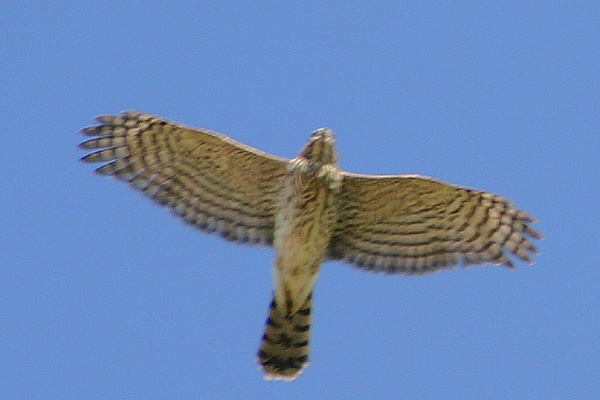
<point>283,351</point>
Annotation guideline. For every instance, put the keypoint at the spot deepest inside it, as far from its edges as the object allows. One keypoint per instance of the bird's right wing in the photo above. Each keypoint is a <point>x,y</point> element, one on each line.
<point>415,224</point>
<point>211,181</point>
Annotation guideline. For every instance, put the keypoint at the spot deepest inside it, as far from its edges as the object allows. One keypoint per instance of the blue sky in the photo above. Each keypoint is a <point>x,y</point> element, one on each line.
<point>104,295</point>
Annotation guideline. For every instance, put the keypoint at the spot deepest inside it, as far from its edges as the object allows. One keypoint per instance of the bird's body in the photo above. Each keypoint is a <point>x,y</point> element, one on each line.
<point>304,222</point>
<point>305,219</point>
<point>309,211</point>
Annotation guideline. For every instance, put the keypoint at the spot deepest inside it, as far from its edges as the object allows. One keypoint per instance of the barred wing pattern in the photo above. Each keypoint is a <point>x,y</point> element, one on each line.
<point>403,223</point>
<point>414,224</point>
<point>211,181</point>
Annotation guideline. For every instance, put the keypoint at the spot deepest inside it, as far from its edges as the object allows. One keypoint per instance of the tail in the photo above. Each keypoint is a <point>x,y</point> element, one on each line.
<point>283,351</point>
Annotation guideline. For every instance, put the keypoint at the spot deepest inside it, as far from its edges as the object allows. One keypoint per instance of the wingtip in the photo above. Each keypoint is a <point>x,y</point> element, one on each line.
<point>533,233</point>
<point>105,119</point>
<point>89,130</point>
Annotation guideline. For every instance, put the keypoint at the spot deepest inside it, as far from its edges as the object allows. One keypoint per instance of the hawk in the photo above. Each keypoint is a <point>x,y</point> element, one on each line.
<point>309,211</point>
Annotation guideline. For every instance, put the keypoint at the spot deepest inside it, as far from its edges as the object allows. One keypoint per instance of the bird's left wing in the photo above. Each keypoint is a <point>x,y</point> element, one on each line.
<point>415,224</point>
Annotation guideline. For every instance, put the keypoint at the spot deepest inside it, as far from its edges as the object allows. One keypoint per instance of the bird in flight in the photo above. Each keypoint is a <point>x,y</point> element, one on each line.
<point>309,211</point>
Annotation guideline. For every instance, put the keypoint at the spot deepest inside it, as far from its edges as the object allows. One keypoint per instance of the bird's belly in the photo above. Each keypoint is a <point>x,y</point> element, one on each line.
<point>302,234</point>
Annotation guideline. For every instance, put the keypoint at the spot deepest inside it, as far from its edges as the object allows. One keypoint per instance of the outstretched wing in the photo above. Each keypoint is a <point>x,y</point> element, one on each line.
<point>211,181</point>
<point>415,224</point>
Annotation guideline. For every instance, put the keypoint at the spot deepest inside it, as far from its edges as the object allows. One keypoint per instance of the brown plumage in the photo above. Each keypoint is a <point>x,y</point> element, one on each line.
<point>309,211</point>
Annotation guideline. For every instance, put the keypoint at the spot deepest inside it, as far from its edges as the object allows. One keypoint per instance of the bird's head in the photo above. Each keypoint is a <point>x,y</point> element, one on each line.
<point>320,148</point>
